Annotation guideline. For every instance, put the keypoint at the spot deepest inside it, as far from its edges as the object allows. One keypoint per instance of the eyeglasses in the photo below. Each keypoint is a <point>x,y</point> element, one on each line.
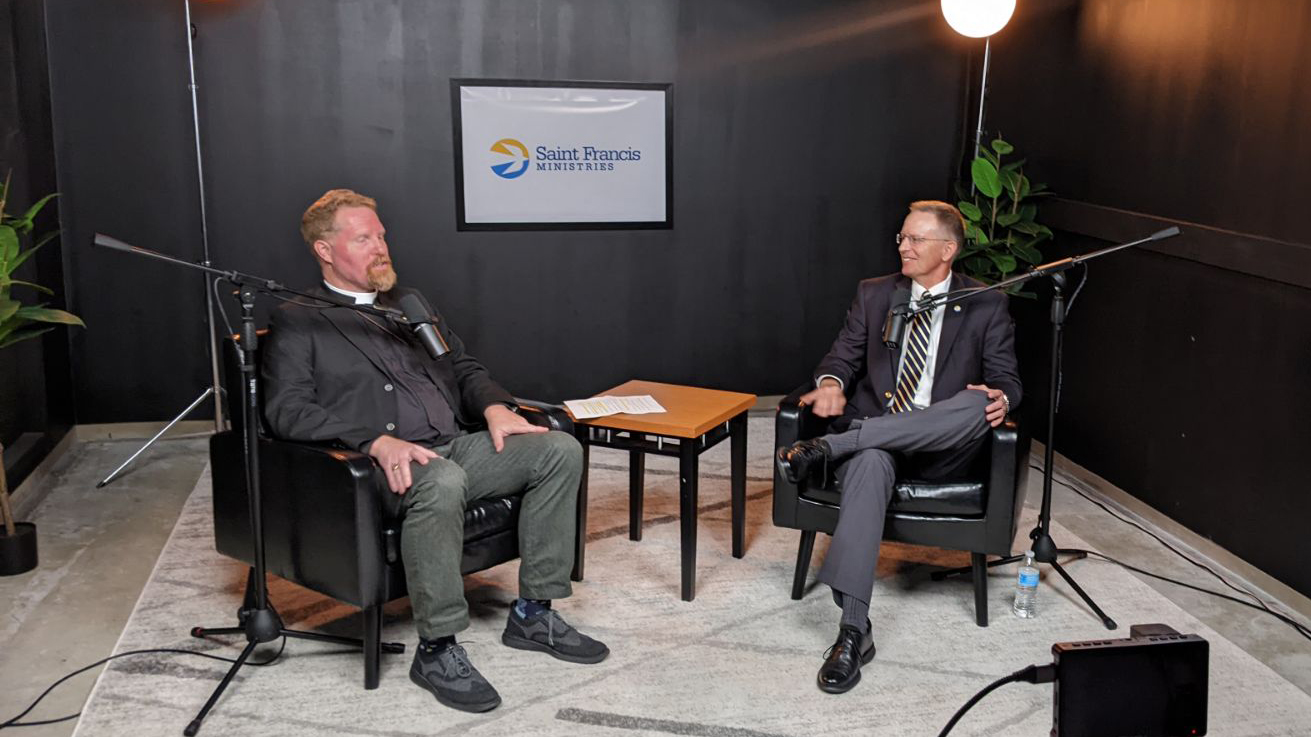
<point>916,240</point>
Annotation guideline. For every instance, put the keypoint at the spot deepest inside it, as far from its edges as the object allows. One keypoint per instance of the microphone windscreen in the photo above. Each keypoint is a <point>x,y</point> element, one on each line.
<point>414,310</point>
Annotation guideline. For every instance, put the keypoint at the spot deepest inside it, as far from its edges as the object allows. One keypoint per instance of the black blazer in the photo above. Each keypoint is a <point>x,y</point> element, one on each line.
<point>977,346</point>
<point>323,383</point>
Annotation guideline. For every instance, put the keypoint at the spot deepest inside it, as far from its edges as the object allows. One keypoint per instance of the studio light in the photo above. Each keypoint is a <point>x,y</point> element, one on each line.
<point>977,18</point>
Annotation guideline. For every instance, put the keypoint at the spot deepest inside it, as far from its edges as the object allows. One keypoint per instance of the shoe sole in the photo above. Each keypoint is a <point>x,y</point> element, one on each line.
<point>520,643</point>
<point>864,660</point>
<point>476,708</point>
<point>784,470</point>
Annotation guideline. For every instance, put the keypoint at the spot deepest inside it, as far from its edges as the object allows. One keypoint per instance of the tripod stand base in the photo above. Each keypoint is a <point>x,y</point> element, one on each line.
<point>261,625</point>
<point>1048,555</point>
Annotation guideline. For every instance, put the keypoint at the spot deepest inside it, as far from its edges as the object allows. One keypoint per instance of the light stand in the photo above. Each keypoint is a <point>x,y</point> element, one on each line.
<point>256,619</point>
<point>215,389</point>
<point>1044,547</point>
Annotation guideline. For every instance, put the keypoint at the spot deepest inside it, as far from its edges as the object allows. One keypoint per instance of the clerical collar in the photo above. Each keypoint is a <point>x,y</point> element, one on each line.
<point>361,298</point>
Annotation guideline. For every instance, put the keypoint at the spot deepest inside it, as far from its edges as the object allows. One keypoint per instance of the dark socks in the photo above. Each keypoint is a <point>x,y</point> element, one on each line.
<point>843,444</point>
<point>525,608</point>
<point>855,613</point>
<point>437,644</point>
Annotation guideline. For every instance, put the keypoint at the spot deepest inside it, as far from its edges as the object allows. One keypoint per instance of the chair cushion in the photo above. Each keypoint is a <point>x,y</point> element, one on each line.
<point>955,498</point>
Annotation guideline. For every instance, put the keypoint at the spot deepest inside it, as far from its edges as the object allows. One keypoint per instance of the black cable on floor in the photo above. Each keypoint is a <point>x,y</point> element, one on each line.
<point>1259,604</point>
<point>172,651</point>
<point>1031,674</point>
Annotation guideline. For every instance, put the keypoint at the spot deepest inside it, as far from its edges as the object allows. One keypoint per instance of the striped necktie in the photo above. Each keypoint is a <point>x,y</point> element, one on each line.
<point>917,352</point>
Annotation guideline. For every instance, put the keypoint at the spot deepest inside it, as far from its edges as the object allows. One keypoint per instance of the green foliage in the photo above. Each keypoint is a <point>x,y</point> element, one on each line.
<point>1001,231</point>
<point>17,320</point>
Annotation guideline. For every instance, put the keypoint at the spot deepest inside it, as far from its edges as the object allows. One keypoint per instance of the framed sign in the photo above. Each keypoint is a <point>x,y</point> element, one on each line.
<point>562,155</point>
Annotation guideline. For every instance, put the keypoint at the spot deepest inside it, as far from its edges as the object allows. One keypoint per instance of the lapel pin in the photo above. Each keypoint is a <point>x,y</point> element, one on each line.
<point>957,308</point>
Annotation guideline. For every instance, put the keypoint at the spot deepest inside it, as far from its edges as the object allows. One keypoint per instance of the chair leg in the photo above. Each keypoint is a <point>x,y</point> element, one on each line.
<point>372,645</point>
<point>979,566</point>
<point>803,562</point>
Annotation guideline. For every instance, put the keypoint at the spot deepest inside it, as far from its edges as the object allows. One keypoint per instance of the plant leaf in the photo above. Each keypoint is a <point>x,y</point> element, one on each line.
<point>49,314</point>
<point>976,234</point>
<point>1027,227</point>
<point>32,211</point>
<point>1007,219</point>
<point>1026,252</point>
<point>8,307</point>
<point>1002,147</point>
<point>970,210</point>
<point>1028,212</point>
<point>990,156</point>
<point>1004,261</point>
<point>25,255</point>
<point>19,335</point>
<point>1015,165</point>
<point>985,178</point>
<point>8,248</point>
<point>1008,180</point>
<point>37,287</point>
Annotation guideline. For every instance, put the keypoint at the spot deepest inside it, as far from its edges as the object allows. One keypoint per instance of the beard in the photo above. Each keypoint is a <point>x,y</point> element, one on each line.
<point>382,276</point>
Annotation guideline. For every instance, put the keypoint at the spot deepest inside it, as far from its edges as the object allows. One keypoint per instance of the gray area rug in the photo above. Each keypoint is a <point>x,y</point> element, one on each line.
<point>739,661</point>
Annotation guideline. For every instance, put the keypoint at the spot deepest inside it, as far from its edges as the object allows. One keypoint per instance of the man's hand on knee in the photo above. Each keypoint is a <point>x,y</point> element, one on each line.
<point>502,423</point>
<point>997,407</point>
<point>826,400</point>
<point>395,456</point>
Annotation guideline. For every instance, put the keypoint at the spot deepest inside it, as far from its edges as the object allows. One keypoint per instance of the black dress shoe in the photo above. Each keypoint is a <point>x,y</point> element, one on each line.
<point>795,461</point>
<point>841,669</point>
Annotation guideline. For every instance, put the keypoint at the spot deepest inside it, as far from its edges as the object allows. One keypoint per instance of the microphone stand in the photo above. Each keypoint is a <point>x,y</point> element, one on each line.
<point>1045,549</point>
<point>256,619</point>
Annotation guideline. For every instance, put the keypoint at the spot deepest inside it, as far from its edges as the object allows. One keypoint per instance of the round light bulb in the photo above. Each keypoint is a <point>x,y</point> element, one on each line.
<point>977,18</point>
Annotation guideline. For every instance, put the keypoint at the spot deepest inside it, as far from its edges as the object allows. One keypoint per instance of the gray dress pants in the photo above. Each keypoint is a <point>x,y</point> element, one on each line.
<point>934,443</point>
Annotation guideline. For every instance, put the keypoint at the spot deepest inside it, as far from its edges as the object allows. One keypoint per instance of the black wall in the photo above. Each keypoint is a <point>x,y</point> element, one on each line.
<point>801,130</point>
<point>1186,365</point>
<point>36,404</point>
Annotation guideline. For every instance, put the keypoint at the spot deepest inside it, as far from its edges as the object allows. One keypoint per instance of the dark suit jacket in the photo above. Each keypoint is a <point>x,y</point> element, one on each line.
<point>323,383</point>
<point>977,346</point>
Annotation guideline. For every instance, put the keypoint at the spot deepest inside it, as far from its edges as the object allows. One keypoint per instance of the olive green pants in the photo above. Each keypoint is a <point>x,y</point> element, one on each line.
<point>545,466</point>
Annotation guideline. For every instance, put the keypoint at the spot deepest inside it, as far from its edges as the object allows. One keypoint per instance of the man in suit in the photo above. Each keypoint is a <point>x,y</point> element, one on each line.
<point>924,410</point>
<point>339,375</point>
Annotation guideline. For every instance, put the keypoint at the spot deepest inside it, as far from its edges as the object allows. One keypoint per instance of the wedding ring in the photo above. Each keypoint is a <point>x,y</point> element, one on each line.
<point>395,466</point>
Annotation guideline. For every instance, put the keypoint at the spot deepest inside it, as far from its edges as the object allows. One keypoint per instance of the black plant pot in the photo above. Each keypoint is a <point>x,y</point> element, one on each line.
<point>18,551</point>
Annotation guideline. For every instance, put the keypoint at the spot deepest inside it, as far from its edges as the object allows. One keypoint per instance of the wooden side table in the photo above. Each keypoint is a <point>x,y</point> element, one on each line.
<point>695,420</point>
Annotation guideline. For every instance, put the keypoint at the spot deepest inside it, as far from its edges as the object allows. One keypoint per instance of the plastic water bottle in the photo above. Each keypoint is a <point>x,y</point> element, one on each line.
<point>1026,588</point>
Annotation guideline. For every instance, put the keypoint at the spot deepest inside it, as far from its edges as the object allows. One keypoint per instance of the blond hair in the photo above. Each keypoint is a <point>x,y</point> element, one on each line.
<point>948,217</point>
<point>319,219</point>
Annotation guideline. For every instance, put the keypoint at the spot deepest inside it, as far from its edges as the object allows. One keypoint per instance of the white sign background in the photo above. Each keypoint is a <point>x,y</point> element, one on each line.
<point>567,118</point>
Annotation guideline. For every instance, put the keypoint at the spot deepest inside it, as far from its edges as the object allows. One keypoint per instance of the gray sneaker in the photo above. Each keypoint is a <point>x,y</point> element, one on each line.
<point>548,632</point>
<point>448,675</point>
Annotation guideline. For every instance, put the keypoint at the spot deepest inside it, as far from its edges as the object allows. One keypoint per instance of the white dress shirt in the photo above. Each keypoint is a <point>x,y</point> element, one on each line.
<point>924,392</point>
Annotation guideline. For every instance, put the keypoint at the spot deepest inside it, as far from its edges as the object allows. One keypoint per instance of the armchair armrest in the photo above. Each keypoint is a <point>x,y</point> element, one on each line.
<point>323,510</point>
<point>1007,481</point>
<point>792,422</point>
<point>545,414</point>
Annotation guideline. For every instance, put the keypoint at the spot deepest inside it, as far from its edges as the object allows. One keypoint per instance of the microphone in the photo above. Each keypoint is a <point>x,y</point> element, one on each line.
<point>417,315</point>
<point>894,325</point>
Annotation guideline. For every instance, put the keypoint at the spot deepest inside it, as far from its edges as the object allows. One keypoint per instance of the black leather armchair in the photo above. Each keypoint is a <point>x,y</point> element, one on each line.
<point>330,523</point>
<point>978,513</point>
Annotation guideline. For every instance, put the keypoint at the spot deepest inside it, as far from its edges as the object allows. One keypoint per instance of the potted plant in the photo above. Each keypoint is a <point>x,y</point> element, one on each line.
<point>1001,228</point>
<point>19,322</point>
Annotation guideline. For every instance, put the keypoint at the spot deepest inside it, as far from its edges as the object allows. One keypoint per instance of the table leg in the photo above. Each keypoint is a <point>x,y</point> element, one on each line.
<point>687,512</point>
<point>636,473</point>
<point>580,519</point>
<point>737,428</point>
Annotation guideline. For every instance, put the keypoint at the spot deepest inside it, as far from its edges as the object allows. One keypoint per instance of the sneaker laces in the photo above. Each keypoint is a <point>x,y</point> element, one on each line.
<point>553,619</point>
<point>463,668</point>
